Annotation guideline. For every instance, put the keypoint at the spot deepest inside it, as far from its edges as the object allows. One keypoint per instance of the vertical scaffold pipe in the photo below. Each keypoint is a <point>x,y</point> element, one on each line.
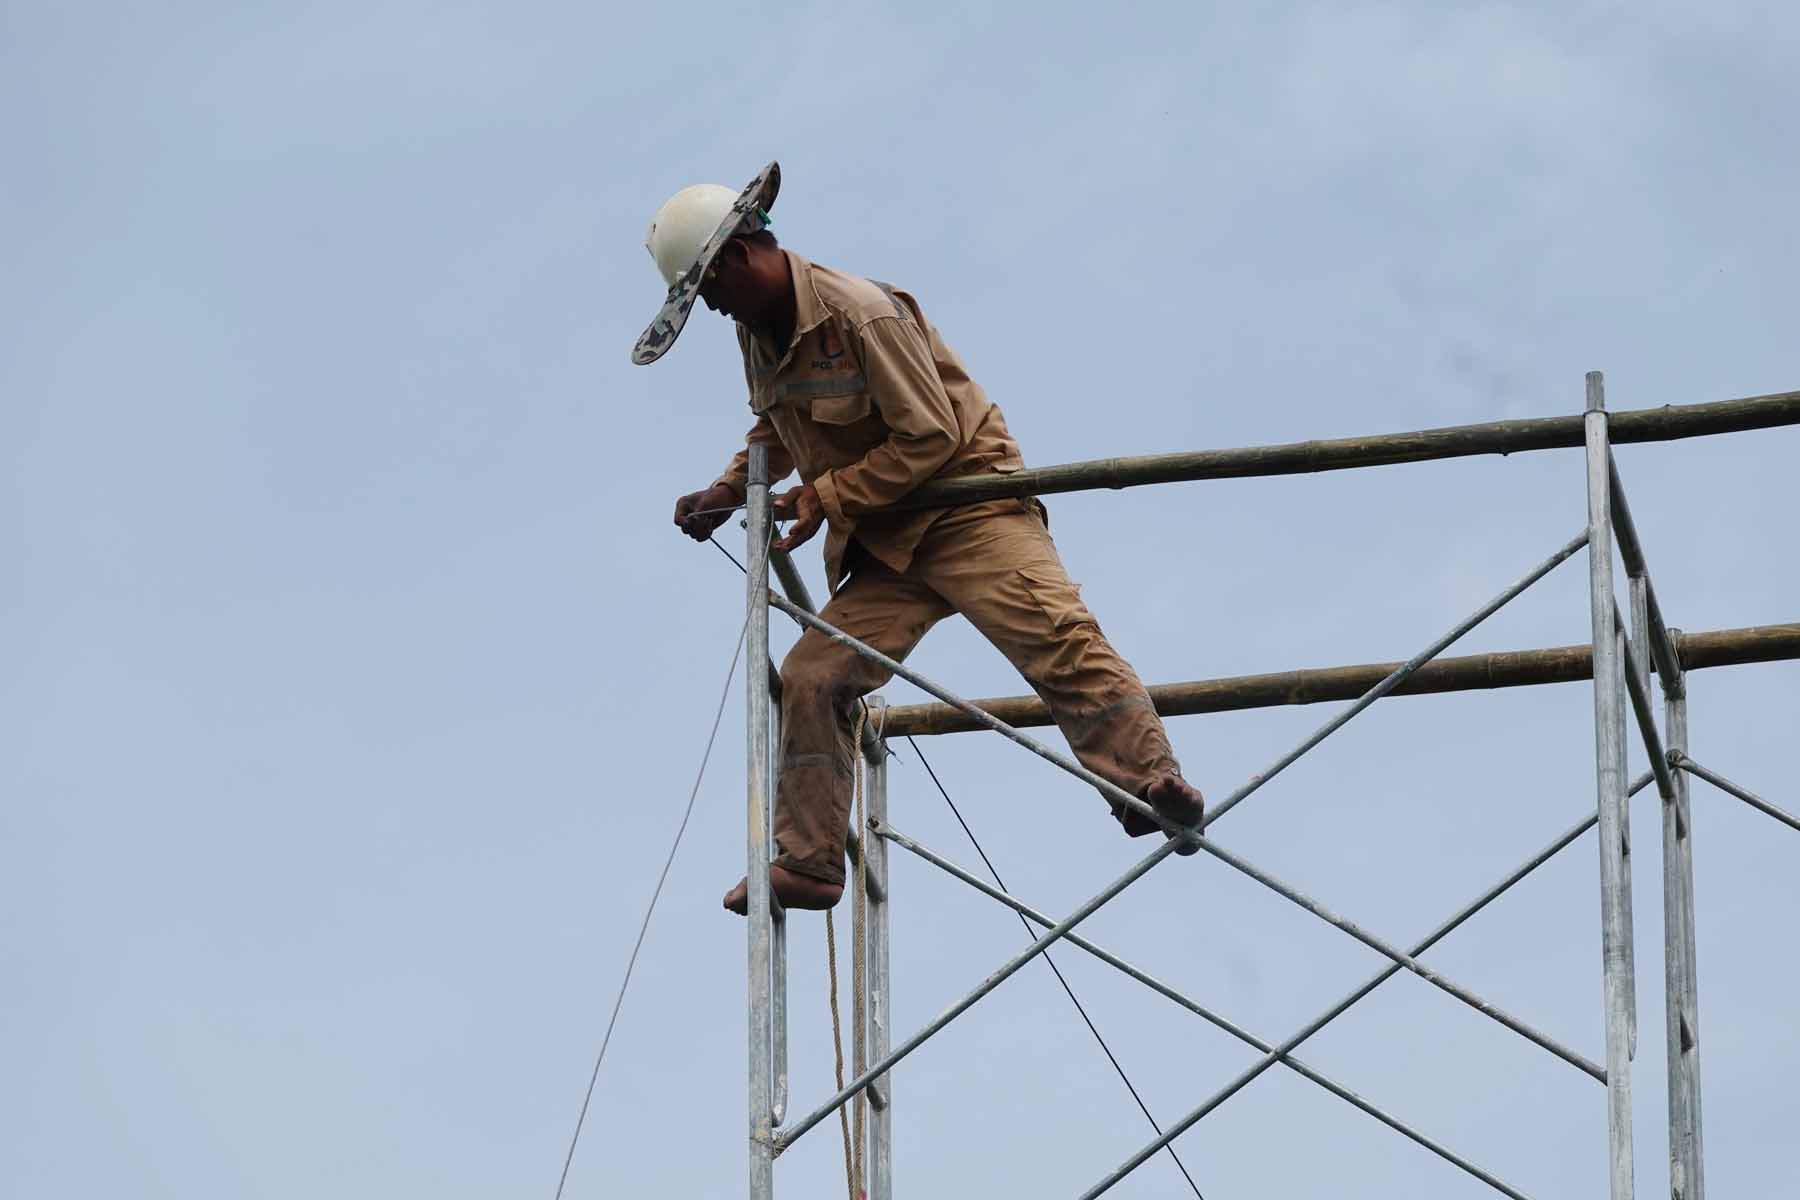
<point>1680,963</point>
<point>881,1122</point>
<point>1609,700</point>
<point>1629,972</point>
<point>778,972</point>
<point>757,919</point>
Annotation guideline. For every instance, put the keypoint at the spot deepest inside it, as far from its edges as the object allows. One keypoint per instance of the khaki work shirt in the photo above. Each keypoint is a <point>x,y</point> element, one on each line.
<point>866,402</point>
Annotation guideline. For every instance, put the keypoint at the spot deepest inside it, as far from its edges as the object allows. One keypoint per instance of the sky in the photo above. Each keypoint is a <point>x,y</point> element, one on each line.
<point>356,678</point>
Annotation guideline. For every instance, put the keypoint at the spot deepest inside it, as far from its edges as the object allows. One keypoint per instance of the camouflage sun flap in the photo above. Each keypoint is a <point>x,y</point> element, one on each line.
<point>666,327</point>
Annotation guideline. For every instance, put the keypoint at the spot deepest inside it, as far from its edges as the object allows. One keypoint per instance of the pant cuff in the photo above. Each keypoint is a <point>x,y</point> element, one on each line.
<point>824,872</point>
<point>1135,823</point>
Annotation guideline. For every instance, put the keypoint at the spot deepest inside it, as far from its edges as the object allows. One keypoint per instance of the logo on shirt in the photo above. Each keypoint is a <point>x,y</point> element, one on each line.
<point>831,350</point>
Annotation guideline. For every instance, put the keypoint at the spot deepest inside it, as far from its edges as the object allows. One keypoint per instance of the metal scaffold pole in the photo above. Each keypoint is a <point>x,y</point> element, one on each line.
<point>1681,979</point>
<point>778,1015</point>
<point>881,1089</point>
<point>1657,645</point>
<point>757,918</point>
<point>1609,764</point>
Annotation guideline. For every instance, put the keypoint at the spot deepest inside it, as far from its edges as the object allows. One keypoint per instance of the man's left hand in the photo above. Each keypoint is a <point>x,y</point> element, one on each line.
<point>802,506</point>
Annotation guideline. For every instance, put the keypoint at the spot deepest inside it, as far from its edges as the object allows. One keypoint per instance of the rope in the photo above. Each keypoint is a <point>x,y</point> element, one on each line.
<point>837,1047</point>
<point>581,1119</point>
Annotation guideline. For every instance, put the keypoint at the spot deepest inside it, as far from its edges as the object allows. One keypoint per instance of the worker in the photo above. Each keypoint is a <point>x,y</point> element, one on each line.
<point>852,387</point>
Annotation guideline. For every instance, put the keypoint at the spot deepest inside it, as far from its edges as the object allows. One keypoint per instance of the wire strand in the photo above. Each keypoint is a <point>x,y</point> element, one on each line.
<point>728,554</point>
<point>1051,963</point>
<point>581,1118</point>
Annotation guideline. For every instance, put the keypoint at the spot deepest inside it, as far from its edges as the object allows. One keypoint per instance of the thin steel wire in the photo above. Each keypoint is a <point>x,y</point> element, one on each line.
<point>581,1119</point>
<point>728,554</point>
<point>1051,963</point>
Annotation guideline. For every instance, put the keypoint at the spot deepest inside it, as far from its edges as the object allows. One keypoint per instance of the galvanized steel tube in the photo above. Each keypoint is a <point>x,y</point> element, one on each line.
<point>1610,789</point>
<point>1632,665</point>
<point>1746,795</point>
<point>853,848</point>
<point>1657,643</point>
<point>1627,876</point>
<point>1681,976</point>
<point>757,919</point>
<point>881,1120</point>
<point>792,582</point>
<point>778,968</point>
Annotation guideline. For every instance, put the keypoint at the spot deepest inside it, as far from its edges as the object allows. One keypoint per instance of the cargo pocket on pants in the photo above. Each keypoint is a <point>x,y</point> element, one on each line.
<point>1053,593</point>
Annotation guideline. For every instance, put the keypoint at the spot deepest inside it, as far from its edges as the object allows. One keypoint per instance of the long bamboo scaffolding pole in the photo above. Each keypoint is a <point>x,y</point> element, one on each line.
<point>1668,423</point>
<point>1517,668</point>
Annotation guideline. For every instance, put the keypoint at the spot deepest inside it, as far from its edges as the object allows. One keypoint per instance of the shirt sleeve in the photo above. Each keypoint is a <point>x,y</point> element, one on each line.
<point>737,474</point>
<point>923,431</point>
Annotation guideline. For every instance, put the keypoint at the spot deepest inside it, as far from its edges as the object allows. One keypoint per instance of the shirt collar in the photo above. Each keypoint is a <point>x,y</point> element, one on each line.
<point>809,311</point>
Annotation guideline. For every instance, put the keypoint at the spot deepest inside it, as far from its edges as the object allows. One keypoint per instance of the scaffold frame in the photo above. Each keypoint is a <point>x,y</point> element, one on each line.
<point>1626,650</point>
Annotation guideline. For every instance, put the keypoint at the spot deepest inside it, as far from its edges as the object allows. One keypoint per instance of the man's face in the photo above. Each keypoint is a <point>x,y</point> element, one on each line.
<point>726,287</point>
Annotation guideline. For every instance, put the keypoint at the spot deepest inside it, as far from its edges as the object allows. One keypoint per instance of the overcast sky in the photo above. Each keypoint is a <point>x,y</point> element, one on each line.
<point>355,677</point>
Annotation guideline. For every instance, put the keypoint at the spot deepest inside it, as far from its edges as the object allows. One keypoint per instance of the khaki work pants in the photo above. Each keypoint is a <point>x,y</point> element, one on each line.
<point>995,563</point>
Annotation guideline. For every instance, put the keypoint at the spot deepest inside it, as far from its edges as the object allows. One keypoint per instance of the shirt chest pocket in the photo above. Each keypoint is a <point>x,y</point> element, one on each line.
<point>840,410</point>
<point>841,399</point>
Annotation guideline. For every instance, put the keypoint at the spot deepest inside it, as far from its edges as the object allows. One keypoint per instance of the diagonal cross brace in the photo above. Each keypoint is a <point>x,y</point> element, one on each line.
<point>1402,959</point>
<point>1342,1006</point>
<point>1742,793</point>
<point>782,1139</point>
<point>1200,1010</point>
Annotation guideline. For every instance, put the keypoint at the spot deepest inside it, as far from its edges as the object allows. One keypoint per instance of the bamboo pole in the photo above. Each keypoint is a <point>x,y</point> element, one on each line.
<point>1336,454</point>
<point>1517,668</point>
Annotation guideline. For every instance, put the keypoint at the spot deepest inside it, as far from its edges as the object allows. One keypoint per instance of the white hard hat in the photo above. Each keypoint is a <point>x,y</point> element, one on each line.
<point>686,236</point>
<point>683,224</point>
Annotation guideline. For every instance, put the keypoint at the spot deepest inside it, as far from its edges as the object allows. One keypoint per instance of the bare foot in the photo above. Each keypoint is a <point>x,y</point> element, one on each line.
<point>1177,800</point>
<point>793,890</point>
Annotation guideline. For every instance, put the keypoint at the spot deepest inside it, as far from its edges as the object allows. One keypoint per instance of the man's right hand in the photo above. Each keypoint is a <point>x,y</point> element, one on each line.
<point>699,513</point>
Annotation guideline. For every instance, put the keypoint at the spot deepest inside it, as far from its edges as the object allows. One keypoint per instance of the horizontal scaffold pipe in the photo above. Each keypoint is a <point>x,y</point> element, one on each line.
<point>1516,668</point>
<point>1337,454</point>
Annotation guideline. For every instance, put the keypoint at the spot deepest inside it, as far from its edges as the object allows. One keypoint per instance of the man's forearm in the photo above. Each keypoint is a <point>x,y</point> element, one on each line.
<point>882,476</point>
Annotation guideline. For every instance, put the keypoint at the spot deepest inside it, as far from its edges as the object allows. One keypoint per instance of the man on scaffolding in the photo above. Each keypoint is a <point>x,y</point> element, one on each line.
<point>854,389</point>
